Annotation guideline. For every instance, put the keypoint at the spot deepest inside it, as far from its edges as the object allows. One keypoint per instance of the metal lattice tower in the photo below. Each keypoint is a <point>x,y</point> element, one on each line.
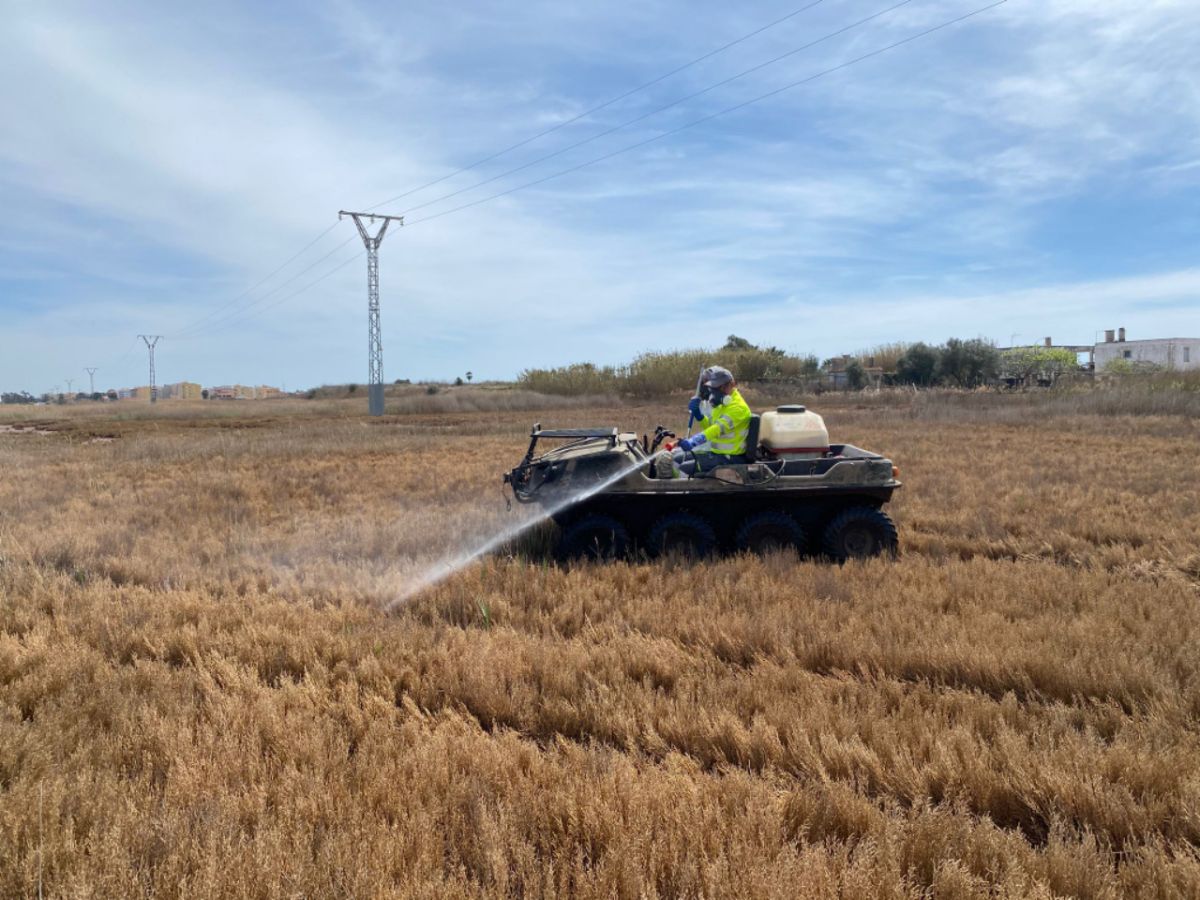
<point>91,377</point>
<point>374,334</point>
<point>151,340</point>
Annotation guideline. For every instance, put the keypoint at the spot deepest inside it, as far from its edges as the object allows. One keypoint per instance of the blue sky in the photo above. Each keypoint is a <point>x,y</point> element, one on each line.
<point>1032,171</point>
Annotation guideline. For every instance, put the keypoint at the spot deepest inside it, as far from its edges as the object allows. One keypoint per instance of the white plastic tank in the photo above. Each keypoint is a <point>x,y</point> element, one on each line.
<point>793,432</point>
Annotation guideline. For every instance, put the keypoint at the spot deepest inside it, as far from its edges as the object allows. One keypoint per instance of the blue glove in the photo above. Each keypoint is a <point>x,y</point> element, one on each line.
<point>689,444</point>
<point>694,408</point>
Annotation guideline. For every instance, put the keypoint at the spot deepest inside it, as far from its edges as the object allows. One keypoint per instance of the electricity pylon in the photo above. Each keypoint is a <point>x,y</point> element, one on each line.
<point>151,340</point>
<point>374,335</point>
<point>91,378</point>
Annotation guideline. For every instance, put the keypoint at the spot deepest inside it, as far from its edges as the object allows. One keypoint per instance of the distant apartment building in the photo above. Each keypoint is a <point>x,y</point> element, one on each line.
<point>243,392</point>
<point>1162,353</point>
<point>183,390</point>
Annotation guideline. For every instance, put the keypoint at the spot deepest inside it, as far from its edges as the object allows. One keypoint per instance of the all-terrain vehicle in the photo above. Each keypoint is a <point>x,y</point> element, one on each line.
<point>611,492</point>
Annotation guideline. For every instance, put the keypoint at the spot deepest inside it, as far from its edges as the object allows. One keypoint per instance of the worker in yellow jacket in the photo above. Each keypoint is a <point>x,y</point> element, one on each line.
<point>724,419</point>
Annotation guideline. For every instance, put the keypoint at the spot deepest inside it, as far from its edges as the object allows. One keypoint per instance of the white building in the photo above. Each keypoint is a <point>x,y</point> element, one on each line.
<point>1163,353</point>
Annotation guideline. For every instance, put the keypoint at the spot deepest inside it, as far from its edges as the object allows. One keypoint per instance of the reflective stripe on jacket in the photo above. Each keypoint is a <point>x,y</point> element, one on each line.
<point>726,429</point>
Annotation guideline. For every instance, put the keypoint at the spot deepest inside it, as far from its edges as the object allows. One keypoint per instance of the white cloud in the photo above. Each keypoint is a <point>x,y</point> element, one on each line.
<point>171,164</point>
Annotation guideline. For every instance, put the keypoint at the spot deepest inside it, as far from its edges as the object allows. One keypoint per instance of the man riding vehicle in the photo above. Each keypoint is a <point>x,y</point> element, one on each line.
<point>724,419</point>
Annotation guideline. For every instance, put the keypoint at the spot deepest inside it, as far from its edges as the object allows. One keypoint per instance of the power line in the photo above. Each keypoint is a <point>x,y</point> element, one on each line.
<point>234,314</point>
<point>663,108</point>
<point>684,127</point>
<point>192,325</point>
<point>604,105</point>
<point>711,116</point>
<point>240,315</point>
<point>117,360</point>
<point>250,314</point>
<point>844,65</point>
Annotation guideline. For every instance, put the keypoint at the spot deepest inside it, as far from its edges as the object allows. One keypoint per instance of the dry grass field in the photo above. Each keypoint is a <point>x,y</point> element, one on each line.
<point>201,694</point>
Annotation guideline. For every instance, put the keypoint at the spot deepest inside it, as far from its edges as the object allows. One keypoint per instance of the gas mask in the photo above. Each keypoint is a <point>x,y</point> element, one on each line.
<point>708,399</point>
<point>711,397</point>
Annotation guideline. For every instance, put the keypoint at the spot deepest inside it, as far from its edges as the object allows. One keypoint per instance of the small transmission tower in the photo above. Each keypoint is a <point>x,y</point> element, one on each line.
<point>91,370</point>
<point>374,335</point>
<point>151,340</point>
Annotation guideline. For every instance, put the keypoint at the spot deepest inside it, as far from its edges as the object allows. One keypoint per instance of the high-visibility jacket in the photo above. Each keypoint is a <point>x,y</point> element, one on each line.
<point>728,426</point>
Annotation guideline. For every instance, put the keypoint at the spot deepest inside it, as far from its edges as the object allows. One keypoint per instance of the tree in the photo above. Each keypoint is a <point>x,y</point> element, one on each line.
<point>458,381</point>
<point>1130,367</point>
<point>204,394</point>
<point>733,342</point>
<point>917,365</point>
<point>970,363</point>
<point>856,376</point>
<point>1037,363</point>
<point>470,375</point>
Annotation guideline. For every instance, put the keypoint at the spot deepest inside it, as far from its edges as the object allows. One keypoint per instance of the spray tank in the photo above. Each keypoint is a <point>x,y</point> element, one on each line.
<point>794,432</point>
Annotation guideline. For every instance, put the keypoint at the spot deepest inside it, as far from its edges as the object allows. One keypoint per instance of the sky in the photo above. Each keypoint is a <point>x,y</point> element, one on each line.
<point>177,169</point>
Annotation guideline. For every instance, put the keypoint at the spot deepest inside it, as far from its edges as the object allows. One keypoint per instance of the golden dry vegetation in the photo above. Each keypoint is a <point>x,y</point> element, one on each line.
<point>201,695</point>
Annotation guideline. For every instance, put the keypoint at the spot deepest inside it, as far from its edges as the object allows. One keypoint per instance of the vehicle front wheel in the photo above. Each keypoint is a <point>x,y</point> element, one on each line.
<point>681,533</point>
<point>859,533</point>
<point>769,532</point>
<point>594,537</point>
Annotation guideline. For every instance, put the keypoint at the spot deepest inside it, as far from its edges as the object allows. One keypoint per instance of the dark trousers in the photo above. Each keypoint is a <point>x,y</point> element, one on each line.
<point>700,461</point>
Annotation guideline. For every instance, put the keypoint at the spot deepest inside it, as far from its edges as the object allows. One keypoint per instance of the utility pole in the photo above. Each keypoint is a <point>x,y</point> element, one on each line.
<point>69,382</point>
<point>151,340</point>
<point>374,335</point>
<point>91,377</point>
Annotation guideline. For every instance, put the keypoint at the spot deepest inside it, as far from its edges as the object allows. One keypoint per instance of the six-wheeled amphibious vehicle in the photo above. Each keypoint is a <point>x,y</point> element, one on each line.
<point>611,493</point>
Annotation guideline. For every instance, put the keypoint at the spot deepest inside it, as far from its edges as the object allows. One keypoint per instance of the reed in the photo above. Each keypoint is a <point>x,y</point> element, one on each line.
<point>201,694</point>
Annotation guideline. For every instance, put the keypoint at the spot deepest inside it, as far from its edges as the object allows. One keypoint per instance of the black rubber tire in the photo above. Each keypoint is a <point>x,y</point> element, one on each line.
<point>683,533</point>
<point>770,531</point>
<point>860,533</point>
<point>595,537</point>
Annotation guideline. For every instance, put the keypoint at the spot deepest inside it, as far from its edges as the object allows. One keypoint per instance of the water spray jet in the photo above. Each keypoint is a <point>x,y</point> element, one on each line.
<point>452,564</point>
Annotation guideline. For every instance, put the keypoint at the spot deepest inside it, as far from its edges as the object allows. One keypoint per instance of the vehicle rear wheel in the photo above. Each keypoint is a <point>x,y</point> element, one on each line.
<point>681,533</point>
<point>594,537</point>
<point>769,532</point>
<point>859,533</point>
